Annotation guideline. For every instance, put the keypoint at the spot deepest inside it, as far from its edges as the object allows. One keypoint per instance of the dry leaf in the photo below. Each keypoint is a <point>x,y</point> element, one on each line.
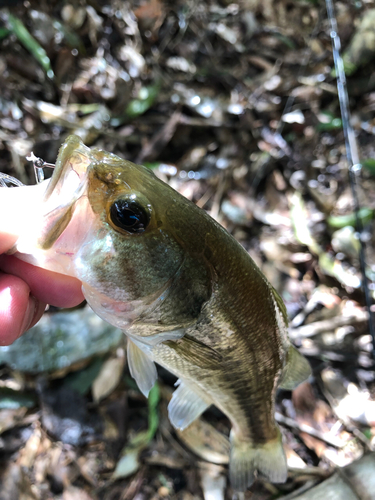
<point>11,418</point>
<point>150,15</point>
<point>108,378</point>
<point>205,441</point>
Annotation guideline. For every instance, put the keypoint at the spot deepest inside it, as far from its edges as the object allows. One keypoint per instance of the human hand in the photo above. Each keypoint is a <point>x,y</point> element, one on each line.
<point>25,290</point>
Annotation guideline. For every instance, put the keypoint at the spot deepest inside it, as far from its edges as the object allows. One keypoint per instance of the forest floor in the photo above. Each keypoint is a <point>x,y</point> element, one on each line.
<point>235,105</point>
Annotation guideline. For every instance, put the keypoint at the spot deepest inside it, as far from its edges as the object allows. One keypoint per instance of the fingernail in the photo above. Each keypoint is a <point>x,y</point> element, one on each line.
<point>30,314</point>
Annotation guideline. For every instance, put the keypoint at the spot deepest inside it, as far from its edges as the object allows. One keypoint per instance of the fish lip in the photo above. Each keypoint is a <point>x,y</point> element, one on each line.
<point>72,148</point>
<point>67,184</point>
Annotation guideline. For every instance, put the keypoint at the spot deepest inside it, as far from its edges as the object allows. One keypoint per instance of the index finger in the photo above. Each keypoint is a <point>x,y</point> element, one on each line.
<point>47,286</point>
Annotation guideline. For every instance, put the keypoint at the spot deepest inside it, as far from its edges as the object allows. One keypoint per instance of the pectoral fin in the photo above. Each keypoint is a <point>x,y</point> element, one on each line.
<point>185,406</point>
<point>196,352</point>
<point>296,371</point>
<point>141,368</point>
<point>157,338</point>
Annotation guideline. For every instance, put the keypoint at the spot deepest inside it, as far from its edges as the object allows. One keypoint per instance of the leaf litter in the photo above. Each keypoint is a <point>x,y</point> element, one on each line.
<point>235,105</point>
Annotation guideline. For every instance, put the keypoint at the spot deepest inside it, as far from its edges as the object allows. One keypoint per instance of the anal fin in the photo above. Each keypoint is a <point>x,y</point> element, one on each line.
<point>247,460</point>
<point>185,406</point>
<point>141,368</point>
<point>297,370</point>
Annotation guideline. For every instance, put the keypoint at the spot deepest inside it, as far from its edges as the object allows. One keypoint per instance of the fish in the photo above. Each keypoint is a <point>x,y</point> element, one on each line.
<point>186,294</point>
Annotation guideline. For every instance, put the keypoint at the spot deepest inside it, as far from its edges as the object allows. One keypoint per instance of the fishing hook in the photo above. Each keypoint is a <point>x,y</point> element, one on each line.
<point>39,164</point>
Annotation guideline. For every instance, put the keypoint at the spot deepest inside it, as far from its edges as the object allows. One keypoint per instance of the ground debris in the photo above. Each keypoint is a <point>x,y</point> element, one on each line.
<point>235,105</point>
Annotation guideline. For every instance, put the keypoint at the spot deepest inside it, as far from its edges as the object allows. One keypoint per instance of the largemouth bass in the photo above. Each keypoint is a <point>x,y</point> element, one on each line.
<point>184,291</point>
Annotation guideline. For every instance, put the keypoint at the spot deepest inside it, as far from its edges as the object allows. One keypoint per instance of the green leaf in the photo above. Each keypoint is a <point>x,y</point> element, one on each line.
<point>130,382</point>
<point>285,40</point>
<point>4,32</point>
<point>151,165</point>
<point>327,263</point>
<point>298,216</point>
<point>146,98</point>
<point>369,164</point>
<point>84,109</point>
<point>137,107</point>
<point>153,416</point>
<point>338,221</point>
<point>328,122</point>
<point>368,433</point>
<point>349,67</point>
<point>17,27</point>
<point>144,437</point>
<point>129,461</point>
<point>71,38</point>
<point>331,266</point>
<point>82,380</point>
<point>11,400</point>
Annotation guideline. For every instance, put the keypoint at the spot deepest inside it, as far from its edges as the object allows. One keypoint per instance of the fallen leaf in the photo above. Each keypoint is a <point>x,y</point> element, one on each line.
<point>108,378</point>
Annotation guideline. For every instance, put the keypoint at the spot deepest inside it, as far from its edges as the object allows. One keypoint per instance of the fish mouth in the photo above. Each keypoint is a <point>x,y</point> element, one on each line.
<point>50,214</point>
<point>66,186</point>
<point>70,170</point>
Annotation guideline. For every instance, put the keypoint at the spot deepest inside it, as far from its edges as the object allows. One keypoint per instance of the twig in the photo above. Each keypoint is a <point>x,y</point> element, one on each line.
<point>308,471</point>
<point>215,209</point>
<point>344,419</point>
<point>160,139</point>
<point>289,422</point>
<point>205,198</point>
<point>328,325</point>
<point>296,493</point>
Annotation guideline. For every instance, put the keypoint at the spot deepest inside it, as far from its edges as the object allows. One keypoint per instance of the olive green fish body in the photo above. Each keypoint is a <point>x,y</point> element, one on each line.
<point>234,354</point>
<point>186,294</point>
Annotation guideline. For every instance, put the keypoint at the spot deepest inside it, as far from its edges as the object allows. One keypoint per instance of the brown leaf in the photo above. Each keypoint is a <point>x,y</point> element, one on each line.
<point>108,378</point>
<point>73,493</point>
<point>10,418</point>
<point>150,15</point>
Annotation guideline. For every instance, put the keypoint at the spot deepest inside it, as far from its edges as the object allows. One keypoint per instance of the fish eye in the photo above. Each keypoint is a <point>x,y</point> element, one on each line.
<point>129,215</point>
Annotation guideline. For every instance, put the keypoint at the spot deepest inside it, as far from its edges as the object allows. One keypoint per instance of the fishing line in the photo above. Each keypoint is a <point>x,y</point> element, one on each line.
<point>38,163</point>
<point>354,165</point>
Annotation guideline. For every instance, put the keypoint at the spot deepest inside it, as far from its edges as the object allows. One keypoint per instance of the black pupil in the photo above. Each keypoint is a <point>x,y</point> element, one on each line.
<point>129,215</point>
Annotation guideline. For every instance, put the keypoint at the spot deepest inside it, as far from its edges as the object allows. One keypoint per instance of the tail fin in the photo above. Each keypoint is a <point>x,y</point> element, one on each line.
<point>246,460</point>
